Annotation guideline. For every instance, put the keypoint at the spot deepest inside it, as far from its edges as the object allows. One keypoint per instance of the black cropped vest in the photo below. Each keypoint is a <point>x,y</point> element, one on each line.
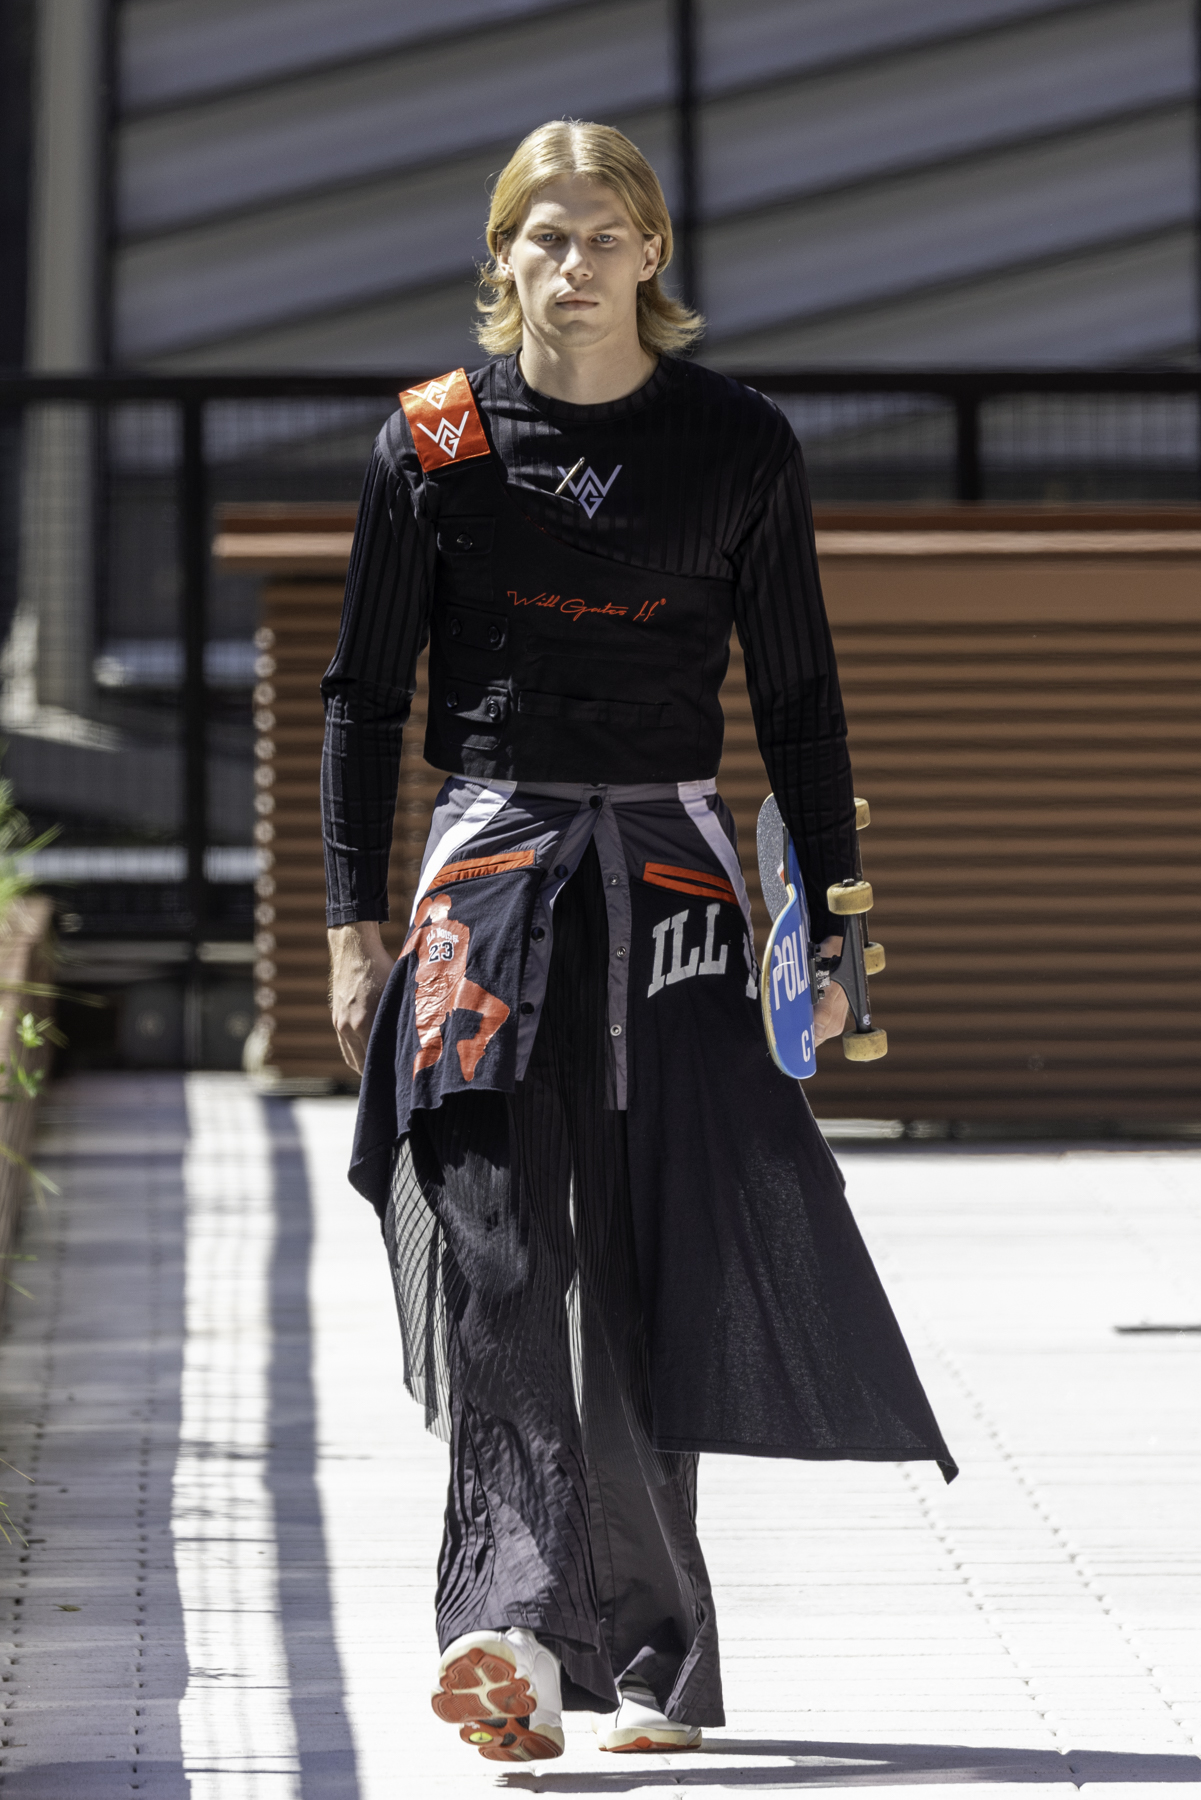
<point>548,664</point>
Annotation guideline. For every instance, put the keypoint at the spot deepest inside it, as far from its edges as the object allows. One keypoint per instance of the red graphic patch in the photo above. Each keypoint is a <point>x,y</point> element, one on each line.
<point>445,421</point>
<point>441,944</point>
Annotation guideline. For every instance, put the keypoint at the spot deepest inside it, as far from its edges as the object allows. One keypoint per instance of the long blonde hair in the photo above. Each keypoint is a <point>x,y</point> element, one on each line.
<point>599,153</point>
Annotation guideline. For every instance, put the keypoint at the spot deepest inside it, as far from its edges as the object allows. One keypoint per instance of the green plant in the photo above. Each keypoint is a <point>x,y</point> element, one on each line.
<point>17,1081</point>
<point>16,840</point>
<point>6,1518</point>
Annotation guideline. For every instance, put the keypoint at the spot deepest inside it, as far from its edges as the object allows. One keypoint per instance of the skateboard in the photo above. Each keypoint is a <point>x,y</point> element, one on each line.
<point>790,967</point>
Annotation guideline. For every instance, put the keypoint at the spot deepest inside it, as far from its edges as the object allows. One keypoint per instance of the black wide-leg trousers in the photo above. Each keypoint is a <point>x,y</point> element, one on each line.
<point>560,1515</point>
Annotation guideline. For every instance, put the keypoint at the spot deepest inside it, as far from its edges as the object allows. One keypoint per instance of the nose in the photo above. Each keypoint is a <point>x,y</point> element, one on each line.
<point>575,260</point>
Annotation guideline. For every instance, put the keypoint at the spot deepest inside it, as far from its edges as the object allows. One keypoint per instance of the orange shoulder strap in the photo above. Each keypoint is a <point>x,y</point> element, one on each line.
<point>444,421</point>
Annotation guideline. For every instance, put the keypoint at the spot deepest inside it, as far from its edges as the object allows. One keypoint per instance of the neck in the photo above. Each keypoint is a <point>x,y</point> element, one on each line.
<point>587,376</point>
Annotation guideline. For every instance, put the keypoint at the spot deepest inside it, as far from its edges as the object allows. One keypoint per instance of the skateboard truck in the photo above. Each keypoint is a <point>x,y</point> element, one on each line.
<point>852,900</point>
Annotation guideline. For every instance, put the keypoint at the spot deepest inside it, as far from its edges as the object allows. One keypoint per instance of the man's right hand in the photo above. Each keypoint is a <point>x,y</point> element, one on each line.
<point>359,970</point>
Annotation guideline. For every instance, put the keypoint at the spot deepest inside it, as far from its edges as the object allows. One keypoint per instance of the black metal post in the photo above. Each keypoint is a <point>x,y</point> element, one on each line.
<point>194,550</point>
<point>16,62</point>
<point>1197,221</point>
<point>968,484</point>
<point>686,221</point>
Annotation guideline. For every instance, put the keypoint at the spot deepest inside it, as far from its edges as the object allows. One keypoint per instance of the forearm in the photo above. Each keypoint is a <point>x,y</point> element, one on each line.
<point>359,970</point>
<point>360,769</point>
<point>368,689</point>
<point>811,780</point>
<point>351,946</point>
<point>792,679</point>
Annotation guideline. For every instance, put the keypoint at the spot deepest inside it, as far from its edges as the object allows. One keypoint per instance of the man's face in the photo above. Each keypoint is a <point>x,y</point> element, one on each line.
<point>577,259</point>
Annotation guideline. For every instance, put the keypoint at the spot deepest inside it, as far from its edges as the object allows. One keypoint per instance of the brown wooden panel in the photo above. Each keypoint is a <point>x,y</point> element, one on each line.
<point>1028,737</point>
<point>297,638</point>
<point>1027,732</point>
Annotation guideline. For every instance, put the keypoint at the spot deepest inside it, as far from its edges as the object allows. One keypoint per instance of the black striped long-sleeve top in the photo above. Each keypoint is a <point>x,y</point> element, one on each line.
<point>691,475</point>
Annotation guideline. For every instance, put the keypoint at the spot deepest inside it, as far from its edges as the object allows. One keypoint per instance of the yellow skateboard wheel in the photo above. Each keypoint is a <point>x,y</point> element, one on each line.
<point>846,898</point>
<point>863,814</point>
<point>865,1046</point>
<point>873,959</point>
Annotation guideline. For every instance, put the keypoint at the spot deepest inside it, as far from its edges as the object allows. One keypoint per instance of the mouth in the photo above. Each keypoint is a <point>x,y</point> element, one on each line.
<point>575,302</point>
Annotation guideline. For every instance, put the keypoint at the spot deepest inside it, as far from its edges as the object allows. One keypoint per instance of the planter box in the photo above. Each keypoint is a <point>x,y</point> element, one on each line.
<point>24,956</point>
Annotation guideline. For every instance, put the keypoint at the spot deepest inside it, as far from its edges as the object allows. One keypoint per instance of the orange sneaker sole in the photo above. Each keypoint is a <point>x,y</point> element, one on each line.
<point>491,1704</point>
<point>643,1746</point>
<point>509,1740</point>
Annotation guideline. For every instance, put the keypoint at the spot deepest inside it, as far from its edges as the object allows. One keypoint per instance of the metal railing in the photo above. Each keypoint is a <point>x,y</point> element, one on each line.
<point>106,521</point>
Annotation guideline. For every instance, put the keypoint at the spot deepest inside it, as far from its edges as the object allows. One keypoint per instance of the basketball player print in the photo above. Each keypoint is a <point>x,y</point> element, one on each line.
<point>441,944</point>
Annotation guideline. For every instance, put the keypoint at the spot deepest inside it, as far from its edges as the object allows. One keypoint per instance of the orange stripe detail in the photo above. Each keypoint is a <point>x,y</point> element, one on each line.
<point>709,887</point>
<point>686,887</point>
<point>702,875</point>
<point>485,865</point>
<point>444,420</point>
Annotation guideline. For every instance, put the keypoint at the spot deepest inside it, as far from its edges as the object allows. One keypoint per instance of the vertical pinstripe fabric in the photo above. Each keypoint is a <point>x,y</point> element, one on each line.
<point>369,689</point>
<point>512,1248</point>
<point>704,478</point>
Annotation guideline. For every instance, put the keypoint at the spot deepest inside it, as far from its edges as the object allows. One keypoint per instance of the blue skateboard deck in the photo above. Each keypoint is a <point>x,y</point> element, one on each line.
<point>786,979</point>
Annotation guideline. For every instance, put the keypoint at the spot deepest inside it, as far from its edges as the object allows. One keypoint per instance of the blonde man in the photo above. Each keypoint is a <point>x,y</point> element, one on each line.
<point>616,1234</point>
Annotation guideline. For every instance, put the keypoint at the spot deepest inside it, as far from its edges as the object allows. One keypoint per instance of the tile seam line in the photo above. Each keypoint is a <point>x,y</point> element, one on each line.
<point>1038,1505</point>
<point>1041,1511</point>
<point>964,1577</point>
<point>56,1224</point>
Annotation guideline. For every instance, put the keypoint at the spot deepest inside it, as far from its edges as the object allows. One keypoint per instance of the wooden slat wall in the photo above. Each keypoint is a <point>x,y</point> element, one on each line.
<point>293,1034</point>
<point>295,642</point>
<point>1026,731</point>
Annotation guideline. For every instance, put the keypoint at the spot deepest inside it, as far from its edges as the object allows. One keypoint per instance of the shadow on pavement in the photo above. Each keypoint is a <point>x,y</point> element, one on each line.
<point>315,1681</point>
<point>797,1764</point>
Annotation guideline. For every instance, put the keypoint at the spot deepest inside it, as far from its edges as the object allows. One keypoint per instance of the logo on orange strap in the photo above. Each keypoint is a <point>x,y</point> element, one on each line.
<point>444,420</point>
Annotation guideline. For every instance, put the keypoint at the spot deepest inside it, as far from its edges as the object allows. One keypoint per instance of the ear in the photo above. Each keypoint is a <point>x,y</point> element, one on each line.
<point>501,257</point>
<point>652,250</point>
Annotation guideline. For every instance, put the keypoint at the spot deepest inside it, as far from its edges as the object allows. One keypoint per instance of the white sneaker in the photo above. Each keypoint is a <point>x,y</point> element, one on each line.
<point>502,1689</point>
<point>639,1725</point>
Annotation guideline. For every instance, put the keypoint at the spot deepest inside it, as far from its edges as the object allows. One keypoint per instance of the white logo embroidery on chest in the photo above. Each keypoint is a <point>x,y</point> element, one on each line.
<point>590,490</point>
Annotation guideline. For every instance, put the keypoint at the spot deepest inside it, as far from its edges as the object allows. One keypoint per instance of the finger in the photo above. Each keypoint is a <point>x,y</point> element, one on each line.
<point>830,1015</point>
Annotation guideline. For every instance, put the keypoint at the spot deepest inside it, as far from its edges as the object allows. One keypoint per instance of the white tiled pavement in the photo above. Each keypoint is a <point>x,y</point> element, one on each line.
<point>232,1526</point>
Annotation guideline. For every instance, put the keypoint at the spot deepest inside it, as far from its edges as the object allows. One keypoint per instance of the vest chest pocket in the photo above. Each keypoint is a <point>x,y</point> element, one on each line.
<point>465,559</point>
<point>475,715</point>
